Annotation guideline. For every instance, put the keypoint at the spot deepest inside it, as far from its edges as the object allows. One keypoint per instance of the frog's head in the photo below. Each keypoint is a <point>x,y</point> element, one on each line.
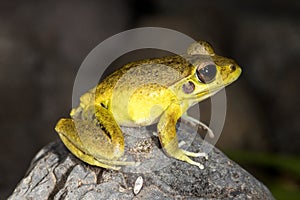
<point>210,73</point>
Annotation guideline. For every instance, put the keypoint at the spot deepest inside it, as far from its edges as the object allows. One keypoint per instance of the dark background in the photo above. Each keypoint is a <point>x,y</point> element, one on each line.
<point>42,44</point>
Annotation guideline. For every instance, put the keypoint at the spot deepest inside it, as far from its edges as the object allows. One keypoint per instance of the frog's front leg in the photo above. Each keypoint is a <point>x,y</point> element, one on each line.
<point>99,144</point>
<point>168,138</point>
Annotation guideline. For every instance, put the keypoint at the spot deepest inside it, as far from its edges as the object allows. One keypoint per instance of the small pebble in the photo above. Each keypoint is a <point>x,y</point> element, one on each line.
<point>138,185</point>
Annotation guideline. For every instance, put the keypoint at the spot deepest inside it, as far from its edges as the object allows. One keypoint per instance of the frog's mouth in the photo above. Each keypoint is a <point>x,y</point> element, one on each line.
<point>208,93</point>
<point>205,94</point>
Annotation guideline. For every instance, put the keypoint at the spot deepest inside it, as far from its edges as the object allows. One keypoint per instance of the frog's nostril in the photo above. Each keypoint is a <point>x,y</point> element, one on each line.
<point>232,68</point>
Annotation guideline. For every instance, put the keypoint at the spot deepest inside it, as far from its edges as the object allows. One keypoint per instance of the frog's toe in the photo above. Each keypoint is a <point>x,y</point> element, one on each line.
<point>195,163</point>
<point>199,165</point>
<point>119,163</point>
<point>135,164</point>
<point>199,154</point>
<point>184,156</point>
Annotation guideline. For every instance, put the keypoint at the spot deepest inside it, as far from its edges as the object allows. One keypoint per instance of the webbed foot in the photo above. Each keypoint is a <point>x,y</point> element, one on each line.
<point>183,155</point>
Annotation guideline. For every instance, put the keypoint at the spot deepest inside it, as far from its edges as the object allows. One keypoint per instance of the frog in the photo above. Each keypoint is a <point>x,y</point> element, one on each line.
<point>141,93</point>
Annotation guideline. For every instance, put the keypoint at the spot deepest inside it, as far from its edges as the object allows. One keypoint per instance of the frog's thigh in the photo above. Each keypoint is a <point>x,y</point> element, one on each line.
<point>113,131</point>
<point>88,142</point>
<point>68,133</point>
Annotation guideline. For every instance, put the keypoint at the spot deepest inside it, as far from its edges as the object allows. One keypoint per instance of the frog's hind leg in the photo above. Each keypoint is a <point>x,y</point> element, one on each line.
<point>74,148</point>
<point>118,162</point>
<point>89,143</point>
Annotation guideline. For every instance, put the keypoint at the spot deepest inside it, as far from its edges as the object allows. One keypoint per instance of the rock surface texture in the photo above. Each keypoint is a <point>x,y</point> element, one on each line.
<point>56,174</point>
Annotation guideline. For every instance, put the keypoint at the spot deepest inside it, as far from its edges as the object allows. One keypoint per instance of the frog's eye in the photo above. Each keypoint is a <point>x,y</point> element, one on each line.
<point>207,74</point>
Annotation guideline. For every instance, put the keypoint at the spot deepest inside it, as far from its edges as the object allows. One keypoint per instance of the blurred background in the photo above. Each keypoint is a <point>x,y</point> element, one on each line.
<point>42,44</point>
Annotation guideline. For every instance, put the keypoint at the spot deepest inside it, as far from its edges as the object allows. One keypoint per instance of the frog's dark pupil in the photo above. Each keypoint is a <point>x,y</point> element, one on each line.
<point>207,74</point>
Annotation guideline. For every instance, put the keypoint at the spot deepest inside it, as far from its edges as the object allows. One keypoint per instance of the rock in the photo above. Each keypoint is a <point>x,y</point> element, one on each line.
<point>55,173</point>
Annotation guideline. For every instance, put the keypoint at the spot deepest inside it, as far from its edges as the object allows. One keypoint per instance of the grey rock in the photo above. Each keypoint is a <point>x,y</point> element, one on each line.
<point>56,174</point>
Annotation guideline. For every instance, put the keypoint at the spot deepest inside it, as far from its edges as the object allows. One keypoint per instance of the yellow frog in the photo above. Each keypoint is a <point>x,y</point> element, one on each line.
<point>142,93</point>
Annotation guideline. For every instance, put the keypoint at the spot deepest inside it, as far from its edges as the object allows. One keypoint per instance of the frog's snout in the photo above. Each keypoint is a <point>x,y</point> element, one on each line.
<point>231,73</point>
<point>235,70</point>
<point>238,70</point>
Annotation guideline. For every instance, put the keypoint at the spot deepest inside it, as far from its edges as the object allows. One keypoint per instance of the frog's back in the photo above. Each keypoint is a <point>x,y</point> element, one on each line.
<point>164,71</point>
